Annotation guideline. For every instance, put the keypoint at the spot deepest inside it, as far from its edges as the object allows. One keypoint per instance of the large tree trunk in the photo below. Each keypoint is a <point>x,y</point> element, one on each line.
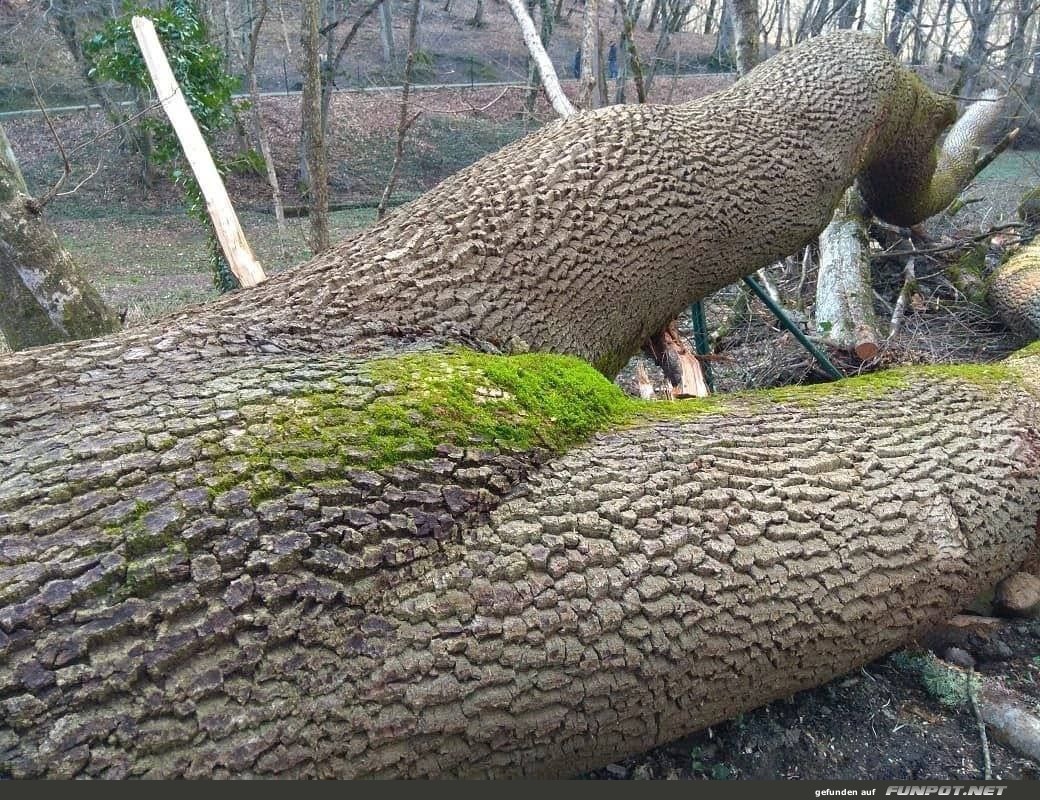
<point>289,533</point>
<point>44,298</point>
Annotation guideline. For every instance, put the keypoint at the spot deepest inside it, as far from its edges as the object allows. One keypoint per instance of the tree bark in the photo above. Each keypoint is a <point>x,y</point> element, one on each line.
<point>894,39</point>
<point>44,298</point>
<point>313,136</point>
<point>386,32</point>
<point>844,290</point>
<point>290,533</point>
<point>589,38</point>
<point>745,33</point>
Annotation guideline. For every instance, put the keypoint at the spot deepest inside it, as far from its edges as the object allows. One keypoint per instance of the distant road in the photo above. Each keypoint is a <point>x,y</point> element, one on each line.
<point>28,112</point>
<point>418,87</point>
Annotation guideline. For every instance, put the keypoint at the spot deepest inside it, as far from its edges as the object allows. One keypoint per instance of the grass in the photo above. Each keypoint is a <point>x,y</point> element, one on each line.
<point>153,262</point>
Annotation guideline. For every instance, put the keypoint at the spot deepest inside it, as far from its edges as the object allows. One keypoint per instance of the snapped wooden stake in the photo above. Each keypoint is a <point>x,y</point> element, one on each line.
<point>225,222</point>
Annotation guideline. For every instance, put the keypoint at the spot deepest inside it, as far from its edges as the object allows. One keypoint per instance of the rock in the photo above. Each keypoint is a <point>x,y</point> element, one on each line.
<point>958,657</point>
<point>617,771</point>
<point>1019,595</point>
<point>642,773</point>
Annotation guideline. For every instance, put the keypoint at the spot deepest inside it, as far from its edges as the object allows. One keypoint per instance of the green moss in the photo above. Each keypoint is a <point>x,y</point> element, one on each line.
<point>876,384</point>
<point>861,387</point>
<point>1030,350</point>
<point>946,684</point>
<point>462,398</point>
<point>403,408</point>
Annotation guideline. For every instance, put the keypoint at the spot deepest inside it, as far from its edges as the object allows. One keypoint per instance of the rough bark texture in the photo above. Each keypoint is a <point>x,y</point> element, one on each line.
<point>946,172</point>
<point>1014,290</point>
<point>43,296</point>
<point>844,298</point>
<point>289,533</point>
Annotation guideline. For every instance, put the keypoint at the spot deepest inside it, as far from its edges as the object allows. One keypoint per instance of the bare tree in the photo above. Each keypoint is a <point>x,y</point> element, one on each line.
<point>405,118</point>
<point>532,39</point>
<point>312,135</point>
<point>981,14</point>
<point>386,32</point>
<point>900,12</point>
<point>589,52</point>
<point>68,15</point>
<point>745,33</point>
<point>256,107</point>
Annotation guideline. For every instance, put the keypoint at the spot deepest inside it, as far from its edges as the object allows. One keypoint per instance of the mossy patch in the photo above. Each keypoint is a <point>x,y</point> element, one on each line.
<point>950,686</point>
<point>876,384</point>
<point>404,408</point>
<point>409,405</point>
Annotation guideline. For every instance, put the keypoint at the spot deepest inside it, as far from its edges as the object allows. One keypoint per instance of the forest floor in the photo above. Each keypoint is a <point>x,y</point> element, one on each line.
<point>882,722</point>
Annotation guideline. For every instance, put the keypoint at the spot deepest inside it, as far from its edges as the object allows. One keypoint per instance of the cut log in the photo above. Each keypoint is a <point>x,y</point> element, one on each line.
<point>845,316</point>
<point>1011,719</point>
<point>1014,284</point>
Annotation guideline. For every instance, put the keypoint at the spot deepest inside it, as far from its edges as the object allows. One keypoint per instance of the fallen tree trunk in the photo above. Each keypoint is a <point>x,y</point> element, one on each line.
<point>299,532</point>
<point>1014,288</point>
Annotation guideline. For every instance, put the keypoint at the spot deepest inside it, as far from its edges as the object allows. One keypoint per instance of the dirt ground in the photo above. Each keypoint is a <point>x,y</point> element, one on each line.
<point>880,723</point>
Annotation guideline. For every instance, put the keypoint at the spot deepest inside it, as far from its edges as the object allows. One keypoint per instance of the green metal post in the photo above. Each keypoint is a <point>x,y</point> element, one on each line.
<point>788,323</point>
<point>700,341</point>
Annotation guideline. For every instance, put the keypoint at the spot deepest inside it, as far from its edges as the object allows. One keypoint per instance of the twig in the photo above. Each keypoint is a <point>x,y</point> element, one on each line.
<point>41,203</point>
<point>899,313</point>
<point>114,128</point>
<point>1000,147</point>
<point>952,246</point>
<point>79,185</point>
<point>987,767</point>
<point>404,121</point>
<point>806,265</point>
<point>470,108</point>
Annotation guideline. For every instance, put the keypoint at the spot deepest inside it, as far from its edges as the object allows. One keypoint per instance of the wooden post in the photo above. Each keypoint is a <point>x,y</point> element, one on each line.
<point>229,232</point>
